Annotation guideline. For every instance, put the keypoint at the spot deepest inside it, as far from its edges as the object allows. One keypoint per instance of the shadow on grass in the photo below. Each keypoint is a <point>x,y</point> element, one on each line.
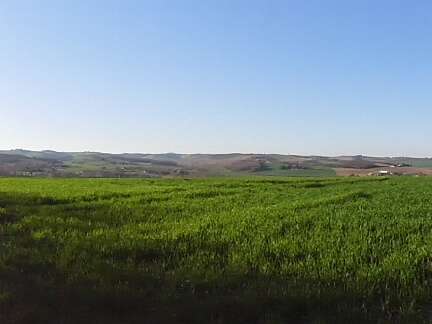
<point>38,293</point>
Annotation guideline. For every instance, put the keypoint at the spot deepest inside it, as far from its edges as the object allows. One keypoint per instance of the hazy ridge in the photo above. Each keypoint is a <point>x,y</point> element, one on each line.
<point>96,164</point>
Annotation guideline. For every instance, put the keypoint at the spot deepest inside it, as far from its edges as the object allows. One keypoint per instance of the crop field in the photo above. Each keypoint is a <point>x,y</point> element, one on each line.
<point>297,172</point>
<point>244,250</point>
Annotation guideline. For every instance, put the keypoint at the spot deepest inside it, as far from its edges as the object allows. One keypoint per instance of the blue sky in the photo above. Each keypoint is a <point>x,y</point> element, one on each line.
<point>215,76</point>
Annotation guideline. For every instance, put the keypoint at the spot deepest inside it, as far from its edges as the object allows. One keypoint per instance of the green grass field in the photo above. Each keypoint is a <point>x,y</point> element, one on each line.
<point>297,172</point>
<point>247,250</point>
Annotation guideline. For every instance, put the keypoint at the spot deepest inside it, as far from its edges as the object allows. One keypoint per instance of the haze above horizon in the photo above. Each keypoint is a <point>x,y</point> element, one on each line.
<point>288,77</point>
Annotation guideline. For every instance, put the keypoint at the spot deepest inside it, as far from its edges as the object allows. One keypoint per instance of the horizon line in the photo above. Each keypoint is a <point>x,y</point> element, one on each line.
<point>225,153</point>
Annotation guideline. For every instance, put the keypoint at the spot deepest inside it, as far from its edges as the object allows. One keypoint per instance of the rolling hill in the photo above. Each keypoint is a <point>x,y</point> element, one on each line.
<point>95,164</point>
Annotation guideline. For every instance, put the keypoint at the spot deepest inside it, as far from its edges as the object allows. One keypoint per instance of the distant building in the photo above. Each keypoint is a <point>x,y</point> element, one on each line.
<point>381,173</point>
<point>384,172</point>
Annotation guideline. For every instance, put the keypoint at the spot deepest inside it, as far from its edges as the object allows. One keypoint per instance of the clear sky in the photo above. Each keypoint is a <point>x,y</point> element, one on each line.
<point>214,76</point>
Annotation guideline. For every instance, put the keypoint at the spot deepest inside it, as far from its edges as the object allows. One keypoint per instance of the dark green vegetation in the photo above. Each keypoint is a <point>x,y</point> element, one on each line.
<point>250,250</point>
<point>102,165</point>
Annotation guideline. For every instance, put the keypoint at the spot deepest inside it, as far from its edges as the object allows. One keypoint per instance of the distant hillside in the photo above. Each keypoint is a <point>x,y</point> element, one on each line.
<point>95,164</point>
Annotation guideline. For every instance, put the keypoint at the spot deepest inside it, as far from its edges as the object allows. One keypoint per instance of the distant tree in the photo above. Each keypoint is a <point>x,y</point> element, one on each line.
<point>263,166</point>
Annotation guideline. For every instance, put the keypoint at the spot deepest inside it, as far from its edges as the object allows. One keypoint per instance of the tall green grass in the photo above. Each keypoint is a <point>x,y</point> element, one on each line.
<point>300,249</point>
